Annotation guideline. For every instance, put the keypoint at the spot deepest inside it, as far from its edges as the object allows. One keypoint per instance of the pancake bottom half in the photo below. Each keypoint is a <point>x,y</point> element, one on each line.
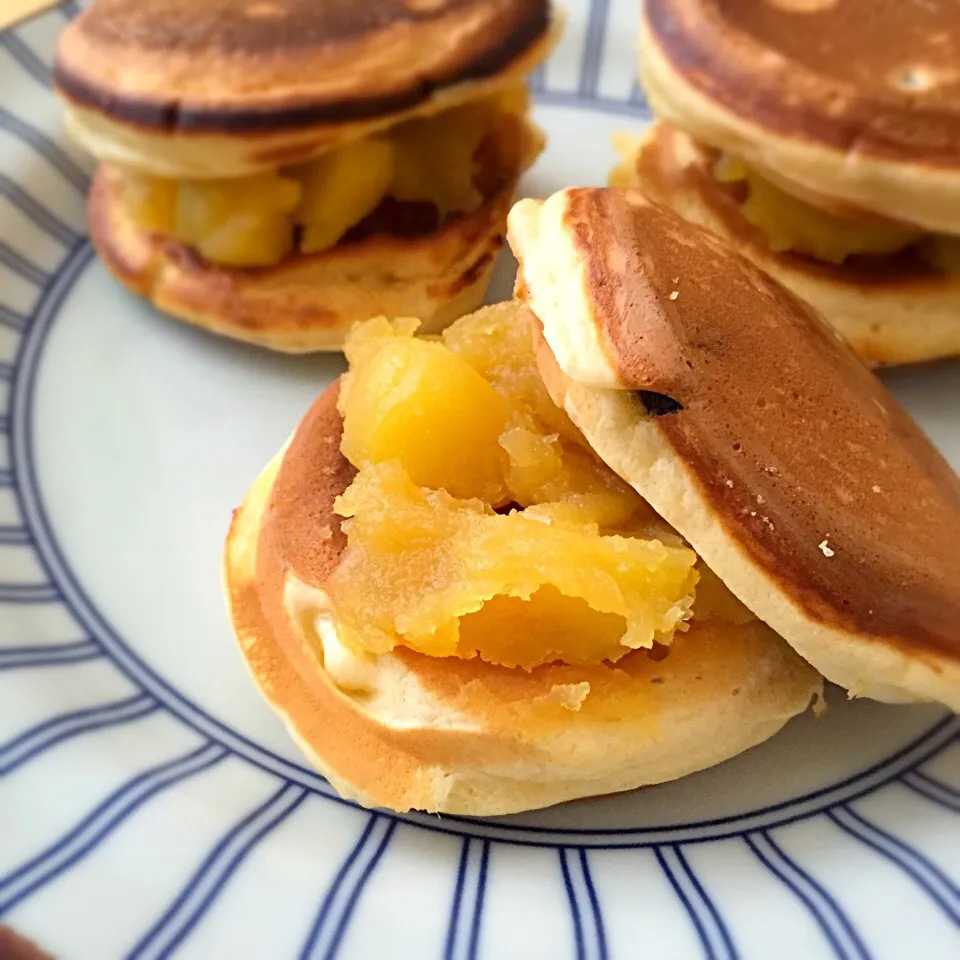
<point>307,302</point>
<point>892,309</point>
<point>444,734</point>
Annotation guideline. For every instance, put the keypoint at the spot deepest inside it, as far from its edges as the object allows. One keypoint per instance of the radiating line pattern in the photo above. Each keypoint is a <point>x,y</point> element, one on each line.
<point>287,785</point>
<point>710,927</point>
<point>26,57</point>
<point>933,789</point>
<point>100,823</point>
<point>43,655</point>
<point>339,902</point>
<point>466,912</point>
<point>217,868</point>
<point>14,536</point>
<point>588,932</point>
<point>42,737</point>
<point>49,149</point>
<point>28,593</point>
<point>37,212</point>
<point>21,266</point>
<point>918,867</point>
<point>12,320</point>
<point>831,919</point>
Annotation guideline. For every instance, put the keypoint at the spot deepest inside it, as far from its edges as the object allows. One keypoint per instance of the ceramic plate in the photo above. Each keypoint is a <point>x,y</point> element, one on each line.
<point>151,805</point>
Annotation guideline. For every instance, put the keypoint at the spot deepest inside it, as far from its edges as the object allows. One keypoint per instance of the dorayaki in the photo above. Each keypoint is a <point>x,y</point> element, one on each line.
<point>276,171</point>
<point>601,536</point>
<point>822,140</point>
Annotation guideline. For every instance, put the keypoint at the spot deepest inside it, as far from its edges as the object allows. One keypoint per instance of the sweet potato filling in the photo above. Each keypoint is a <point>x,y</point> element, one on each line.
<point>259,219</point>
<point>480,523</point>
<point>789,223</point>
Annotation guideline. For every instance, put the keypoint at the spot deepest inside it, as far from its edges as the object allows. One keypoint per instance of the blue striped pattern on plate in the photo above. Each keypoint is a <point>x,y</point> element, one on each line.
<point>286,867</point>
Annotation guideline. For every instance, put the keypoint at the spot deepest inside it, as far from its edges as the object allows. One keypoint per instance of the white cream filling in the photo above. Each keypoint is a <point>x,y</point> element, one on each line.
<point>391,694</point>
<point>557,290</point>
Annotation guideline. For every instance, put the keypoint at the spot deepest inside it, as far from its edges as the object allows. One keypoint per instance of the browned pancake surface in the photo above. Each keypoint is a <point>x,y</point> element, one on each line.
<point>807,461</point>
<point>881,76</point>
<point>300,532</point>
<point>255,65</point>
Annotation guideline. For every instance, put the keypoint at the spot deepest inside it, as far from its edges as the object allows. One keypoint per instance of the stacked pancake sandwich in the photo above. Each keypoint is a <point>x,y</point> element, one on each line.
<point>589,539</point>
<point>277,171</point>
<point>822,140</point>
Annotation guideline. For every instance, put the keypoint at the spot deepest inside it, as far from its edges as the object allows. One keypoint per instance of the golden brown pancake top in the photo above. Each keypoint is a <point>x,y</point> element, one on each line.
<point>806,460</point>
<point>256,65</point>
<point>300,533</point>
<point>878,76</point>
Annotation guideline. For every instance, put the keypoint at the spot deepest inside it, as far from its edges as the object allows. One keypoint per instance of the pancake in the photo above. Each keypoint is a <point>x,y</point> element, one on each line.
<point>409,731</point>
<point>848,99</point>
<point>755,431</point>
<point>892,309</point>
<point>223,89</point>
<point>278,171</point>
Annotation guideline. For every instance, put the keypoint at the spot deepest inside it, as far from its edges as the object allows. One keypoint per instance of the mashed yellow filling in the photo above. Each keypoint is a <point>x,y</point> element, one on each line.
<point>257,220</point>
<point>790,224</point>
<point>480,523</point>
